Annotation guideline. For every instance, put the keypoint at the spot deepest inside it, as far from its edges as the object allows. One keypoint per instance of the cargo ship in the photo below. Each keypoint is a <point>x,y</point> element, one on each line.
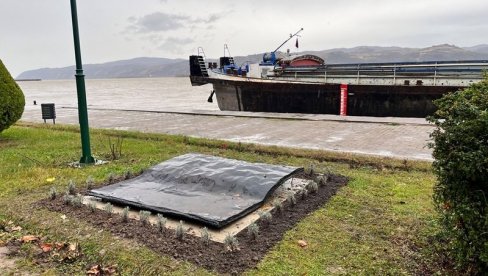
<point>288,83</point>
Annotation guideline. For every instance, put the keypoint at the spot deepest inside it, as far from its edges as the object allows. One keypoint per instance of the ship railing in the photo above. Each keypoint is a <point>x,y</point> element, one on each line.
<point>458,81</point>
<point>201,52</point>
<point>408,70</point>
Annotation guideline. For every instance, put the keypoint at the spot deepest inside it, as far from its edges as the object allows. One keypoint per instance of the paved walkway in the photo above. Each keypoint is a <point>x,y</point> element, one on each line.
<point>404,138</point>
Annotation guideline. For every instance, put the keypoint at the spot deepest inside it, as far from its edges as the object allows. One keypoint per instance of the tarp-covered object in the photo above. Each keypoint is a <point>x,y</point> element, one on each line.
<point>212,190</point>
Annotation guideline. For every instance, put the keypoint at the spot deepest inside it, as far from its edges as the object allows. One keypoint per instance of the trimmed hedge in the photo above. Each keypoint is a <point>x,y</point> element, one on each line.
<point>12,99</point>
<point>461,165</point>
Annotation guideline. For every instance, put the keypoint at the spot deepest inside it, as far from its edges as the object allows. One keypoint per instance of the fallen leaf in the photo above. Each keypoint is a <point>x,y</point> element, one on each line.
<point>16,228</point>
<point>46,247</point>
<point>101,270</point>
<point>110,270</point>
<point>59,245</point>
<point>73,246</point>
<point>29,238</point>
<point>63,217</point>
<point>69,256</point>
<point>94,270</point>
<point>302,243</point>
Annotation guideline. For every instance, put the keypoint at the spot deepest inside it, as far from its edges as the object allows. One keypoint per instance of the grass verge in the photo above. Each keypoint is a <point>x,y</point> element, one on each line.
<point>380,223</point>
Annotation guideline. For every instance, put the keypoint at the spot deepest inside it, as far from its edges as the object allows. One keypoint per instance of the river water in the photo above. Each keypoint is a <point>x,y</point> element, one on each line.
<point>155,94</point>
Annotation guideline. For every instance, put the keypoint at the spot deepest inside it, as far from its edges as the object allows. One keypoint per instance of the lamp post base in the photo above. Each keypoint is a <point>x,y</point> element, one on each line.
<point>87,160</point>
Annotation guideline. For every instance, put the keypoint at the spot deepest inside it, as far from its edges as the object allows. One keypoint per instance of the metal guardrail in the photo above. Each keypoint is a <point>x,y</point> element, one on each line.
<point>405,67</point>
<point>434,71</point>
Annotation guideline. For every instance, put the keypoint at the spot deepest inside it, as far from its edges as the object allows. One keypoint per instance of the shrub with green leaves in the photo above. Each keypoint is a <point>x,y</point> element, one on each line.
<point>12,99</point>
<point>310,171</point>
<point>53,193</point>
<point>125,214</point>
<point>77,201</point>
<point>92,206</point>
<point>231,243</point>
<point>144,216</point>
<point>265,216</point>
<point>205,235</point>
<point>71,187</point>
<point>292,199</point>
<point>278,206</point>
<point>128,174</point>
<point>109,208</point>
<point>460,143</point>
<point>253,231</point>
<point>111,178</point>
<point>180,231</point>
<point>313,187</point>
<point>67,199</point>
<point>161,223</point>
<point>90,182</point>
<point>322,180</point>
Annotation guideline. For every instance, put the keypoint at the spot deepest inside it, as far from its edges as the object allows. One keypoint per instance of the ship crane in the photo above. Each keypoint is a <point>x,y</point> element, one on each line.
<point>270,58</point>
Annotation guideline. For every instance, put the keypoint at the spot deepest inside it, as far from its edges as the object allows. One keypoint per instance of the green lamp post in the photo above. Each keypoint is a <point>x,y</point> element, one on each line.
<point>86,157</point>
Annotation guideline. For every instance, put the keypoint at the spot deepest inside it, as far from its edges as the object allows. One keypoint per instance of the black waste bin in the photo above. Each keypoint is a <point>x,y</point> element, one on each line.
<point>48,112</point>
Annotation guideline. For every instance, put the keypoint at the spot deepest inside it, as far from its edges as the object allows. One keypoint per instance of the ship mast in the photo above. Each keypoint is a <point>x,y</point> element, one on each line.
<point>291,36</point>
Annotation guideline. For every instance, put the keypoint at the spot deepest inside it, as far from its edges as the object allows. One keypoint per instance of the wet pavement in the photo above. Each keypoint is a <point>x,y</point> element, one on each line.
<point>404,138</point>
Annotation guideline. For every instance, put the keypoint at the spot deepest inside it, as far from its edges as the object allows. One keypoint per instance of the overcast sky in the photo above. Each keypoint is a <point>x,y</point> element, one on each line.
<point>37,33</point>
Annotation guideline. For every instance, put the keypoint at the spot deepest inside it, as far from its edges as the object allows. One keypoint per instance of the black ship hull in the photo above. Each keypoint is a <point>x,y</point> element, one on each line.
<point>324,98</point>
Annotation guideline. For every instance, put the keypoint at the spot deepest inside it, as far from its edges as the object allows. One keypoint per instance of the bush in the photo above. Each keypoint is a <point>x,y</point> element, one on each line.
<point>461,165</point>
<point>12,99</point>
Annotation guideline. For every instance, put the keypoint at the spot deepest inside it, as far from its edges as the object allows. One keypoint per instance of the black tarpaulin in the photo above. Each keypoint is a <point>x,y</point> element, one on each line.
<point>212,190</point>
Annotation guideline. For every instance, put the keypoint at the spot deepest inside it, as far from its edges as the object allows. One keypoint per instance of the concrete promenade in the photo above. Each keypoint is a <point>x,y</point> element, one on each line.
<point>403,138</point>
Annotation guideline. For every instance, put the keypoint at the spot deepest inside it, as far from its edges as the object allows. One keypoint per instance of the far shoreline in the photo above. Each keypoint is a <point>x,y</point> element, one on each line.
<point>113,78</point>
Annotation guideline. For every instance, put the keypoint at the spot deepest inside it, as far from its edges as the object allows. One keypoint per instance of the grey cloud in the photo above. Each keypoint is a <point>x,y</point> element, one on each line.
<point>175,45</point>
<point>178,41</point>
<point>160,21</point>
<point>212,18</point>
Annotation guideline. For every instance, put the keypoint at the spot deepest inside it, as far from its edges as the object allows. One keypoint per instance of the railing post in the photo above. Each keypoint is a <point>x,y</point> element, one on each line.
<point>394,74</point>
<point>435,74</point>
<point>357,80</point>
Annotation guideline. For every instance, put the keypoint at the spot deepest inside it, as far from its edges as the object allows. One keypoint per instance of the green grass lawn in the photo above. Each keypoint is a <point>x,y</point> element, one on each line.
<point>382,222</point>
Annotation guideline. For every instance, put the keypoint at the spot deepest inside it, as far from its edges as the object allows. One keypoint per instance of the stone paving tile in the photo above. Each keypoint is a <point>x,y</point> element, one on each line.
<point>399,139</point>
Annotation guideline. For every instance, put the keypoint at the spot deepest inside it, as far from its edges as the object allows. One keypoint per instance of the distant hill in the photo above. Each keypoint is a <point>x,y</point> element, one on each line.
<point>163,67</point>
<point>143,67</point>
<point>364,54</point>
<point>482,48</point>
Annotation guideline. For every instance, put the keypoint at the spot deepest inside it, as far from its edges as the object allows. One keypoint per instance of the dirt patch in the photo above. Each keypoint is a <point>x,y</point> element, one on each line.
<point>7,143</point>
<point>6,263</point>
<point>213,256</point>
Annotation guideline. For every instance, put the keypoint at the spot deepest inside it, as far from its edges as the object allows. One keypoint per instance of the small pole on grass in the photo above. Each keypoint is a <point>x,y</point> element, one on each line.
<point>86,157</point>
